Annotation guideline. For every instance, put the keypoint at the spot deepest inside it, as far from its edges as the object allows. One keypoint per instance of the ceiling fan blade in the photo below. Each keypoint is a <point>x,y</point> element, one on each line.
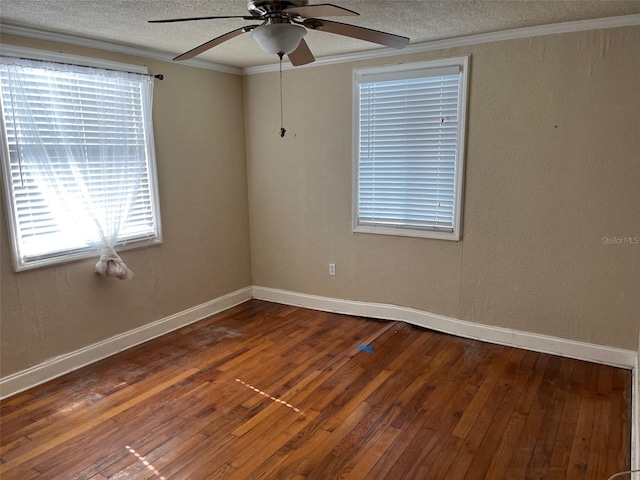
<point>320,10</point>
<point>170,20</point>
<point>361,33</point>
<point>216,41</point>
<point>301,55</point>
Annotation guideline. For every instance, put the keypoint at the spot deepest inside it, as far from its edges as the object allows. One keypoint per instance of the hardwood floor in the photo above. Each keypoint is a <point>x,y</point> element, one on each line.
<point>266,391</point>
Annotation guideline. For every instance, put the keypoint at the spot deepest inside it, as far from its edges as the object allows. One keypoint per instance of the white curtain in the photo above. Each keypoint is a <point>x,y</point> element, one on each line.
<point>83,144</point>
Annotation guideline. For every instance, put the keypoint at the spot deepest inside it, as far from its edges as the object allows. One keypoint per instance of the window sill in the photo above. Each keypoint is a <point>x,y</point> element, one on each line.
<point>408,232</point>
<point>81,254</point>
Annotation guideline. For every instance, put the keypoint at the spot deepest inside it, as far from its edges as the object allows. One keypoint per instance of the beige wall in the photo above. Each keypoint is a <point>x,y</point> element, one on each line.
<point>553,166</point>
<point>199,136</point>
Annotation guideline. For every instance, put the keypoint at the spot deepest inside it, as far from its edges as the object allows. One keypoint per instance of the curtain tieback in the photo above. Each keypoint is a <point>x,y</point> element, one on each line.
<point>111,265</point>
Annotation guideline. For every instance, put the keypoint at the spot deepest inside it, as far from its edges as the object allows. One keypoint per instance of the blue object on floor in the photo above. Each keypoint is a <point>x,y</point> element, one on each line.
<point>365,348</point>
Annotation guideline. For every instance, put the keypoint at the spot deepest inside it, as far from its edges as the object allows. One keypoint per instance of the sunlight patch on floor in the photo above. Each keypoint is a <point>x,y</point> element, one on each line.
<point>277,400</point>
<point>145,463</point>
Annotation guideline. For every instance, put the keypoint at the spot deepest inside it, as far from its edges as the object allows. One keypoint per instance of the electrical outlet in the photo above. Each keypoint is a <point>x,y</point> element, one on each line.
<point>332,269</point>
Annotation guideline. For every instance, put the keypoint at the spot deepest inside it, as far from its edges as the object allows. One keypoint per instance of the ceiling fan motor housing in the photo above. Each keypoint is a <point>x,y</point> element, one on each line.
<point>262,8</point>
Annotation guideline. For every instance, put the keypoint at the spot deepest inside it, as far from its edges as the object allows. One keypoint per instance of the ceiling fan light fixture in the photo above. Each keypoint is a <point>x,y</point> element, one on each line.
<point>278,38</point>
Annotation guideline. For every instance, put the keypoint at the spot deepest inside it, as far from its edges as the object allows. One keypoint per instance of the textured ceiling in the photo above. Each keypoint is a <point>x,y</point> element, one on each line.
<point>125,22</point>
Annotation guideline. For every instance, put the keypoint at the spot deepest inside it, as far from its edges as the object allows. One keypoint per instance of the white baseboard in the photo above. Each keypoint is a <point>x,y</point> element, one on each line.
<point>58,366</point>
<point>616,357</point>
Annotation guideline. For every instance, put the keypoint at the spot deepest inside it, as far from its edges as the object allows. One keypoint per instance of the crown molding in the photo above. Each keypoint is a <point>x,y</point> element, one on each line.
<point>113,47</point>
<point>525,32</point>
<point>552,29</point>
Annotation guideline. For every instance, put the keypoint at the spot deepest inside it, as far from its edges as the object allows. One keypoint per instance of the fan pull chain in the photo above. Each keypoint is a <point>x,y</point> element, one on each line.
<point>282,129</point>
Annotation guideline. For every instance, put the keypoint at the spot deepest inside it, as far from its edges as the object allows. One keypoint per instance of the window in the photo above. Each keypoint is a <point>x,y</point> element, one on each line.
<point>78,160</point>
<point>409,131</point>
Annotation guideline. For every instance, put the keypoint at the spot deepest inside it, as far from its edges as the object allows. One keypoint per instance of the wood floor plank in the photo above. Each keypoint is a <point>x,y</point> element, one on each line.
<point>364,459</point>
<point>310,438</point>
<point>272,392</point>
<point>55,438</point>
<point>597,462</point>
<point>547,439</point>
<point>50,423</point>
<point>87,447</point>
<point>568,421</point>
<point>245,466</point>
<point>481,447</point>
<point>619,431</point>
<point>22,472</point>
<point>440,462</point>
<point>167,453</point>
<point>411,423</point>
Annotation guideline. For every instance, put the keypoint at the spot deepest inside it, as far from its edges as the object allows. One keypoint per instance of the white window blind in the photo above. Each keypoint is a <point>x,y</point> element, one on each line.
<point>408,150</point>
<point>73,137</point>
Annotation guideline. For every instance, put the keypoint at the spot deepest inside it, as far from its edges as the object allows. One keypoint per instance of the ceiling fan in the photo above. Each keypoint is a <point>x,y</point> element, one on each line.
<point>284,23</point>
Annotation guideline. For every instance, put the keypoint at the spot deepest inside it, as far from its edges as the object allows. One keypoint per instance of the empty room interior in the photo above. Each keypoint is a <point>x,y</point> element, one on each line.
<point>406,246</point>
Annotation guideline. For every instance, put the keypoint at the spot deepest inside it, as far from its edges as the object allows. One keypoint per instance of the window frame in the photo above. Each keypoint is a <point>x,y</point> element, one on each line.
<point>72,254</point>
<point>411,70</point>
